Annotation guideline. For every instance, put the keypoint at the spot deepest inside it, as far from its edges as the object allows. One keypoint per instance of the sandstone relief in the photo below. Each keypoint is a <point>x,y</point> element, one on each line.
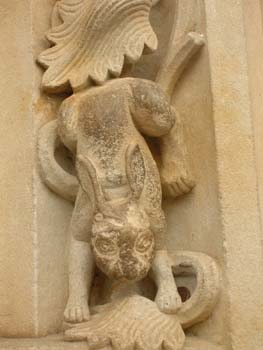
<point>126,142</point>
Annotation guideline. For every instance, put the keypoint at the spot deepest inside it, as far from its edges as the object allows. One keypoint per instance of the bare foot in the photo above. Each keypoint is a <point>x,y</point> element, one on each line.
<point>168,299</point>
<point>77,310</point>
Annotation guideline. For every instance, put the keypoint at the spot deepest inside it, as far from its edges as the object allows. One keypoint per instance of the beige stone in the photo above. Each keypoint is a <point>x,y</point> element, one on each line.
<point>219,101</point>
<point>118,223</point>
<point>57,343</point>
<point>17,229</point>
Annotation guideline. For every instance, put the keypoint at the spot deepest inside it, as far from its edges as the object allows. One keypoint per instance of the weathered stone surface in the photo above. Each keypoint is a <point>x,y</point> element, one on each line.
<point>118,224</point>
<point>17,229</point>
<point>57,343</point>
<point>237,175</point>
<point>221,217</point>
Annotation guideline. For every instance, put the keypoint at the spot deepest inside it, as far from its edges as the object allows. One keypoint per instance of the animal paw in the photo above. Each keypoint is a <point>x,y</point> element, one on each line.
<point>77,311</point>
<point>175,185</point>
<point>168,300</point>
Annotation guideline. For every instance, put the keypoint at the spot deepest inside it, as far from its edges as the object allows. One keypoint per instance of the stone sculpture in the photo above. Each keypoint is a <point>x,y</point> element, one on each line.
<point>118,223</point>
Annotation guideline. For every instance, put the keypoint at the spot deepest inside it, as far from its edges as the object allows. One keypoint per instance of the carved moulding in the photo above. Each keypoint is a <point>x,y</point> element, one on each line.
<point>118,179</point>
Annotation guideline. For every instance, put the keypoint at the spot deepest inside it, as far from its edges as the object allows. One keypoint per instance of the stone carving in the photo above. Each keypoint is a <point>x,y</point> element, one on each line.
<point>85,49</point>
<point>145,327</point>
<point>131,323</point>
<point>118,223</point>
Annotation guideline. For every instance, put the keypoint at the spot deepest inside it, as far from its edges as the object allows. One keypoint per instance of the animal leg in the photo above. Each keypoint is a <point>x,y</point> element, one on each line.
<point>167,297</point>
<point>81,262</point>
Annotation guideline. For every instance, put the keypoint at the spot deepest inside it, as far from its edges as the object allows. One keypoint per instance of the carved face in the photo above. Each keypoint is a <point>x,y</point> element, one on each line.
<point>123,252</point>
<point>121,238</point>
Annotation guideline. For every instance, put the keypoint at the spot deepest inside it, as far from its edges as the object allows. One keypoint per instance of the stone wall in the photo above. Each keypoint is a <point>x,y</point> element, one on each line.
<point>220,100</point>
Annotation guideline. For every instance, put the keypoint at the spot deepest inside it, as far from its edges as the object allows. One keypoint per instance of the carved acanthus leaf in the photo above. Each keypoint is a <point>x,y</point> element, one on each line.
<point>93,40</point>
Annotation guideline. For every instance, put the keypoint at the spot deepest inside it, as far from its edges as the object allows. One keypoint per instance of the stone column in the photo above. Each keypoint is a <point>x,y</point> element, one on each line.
<point>18,270</point>
<point>33,221</point>
<point>231,25</point>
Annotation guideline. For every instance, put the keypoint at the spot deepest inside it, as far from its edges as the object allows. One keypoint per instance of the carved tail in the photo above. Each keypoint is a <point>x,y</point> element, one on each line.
<point>205,294</point>
<point>54,176</point>
<point>207,287</point>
